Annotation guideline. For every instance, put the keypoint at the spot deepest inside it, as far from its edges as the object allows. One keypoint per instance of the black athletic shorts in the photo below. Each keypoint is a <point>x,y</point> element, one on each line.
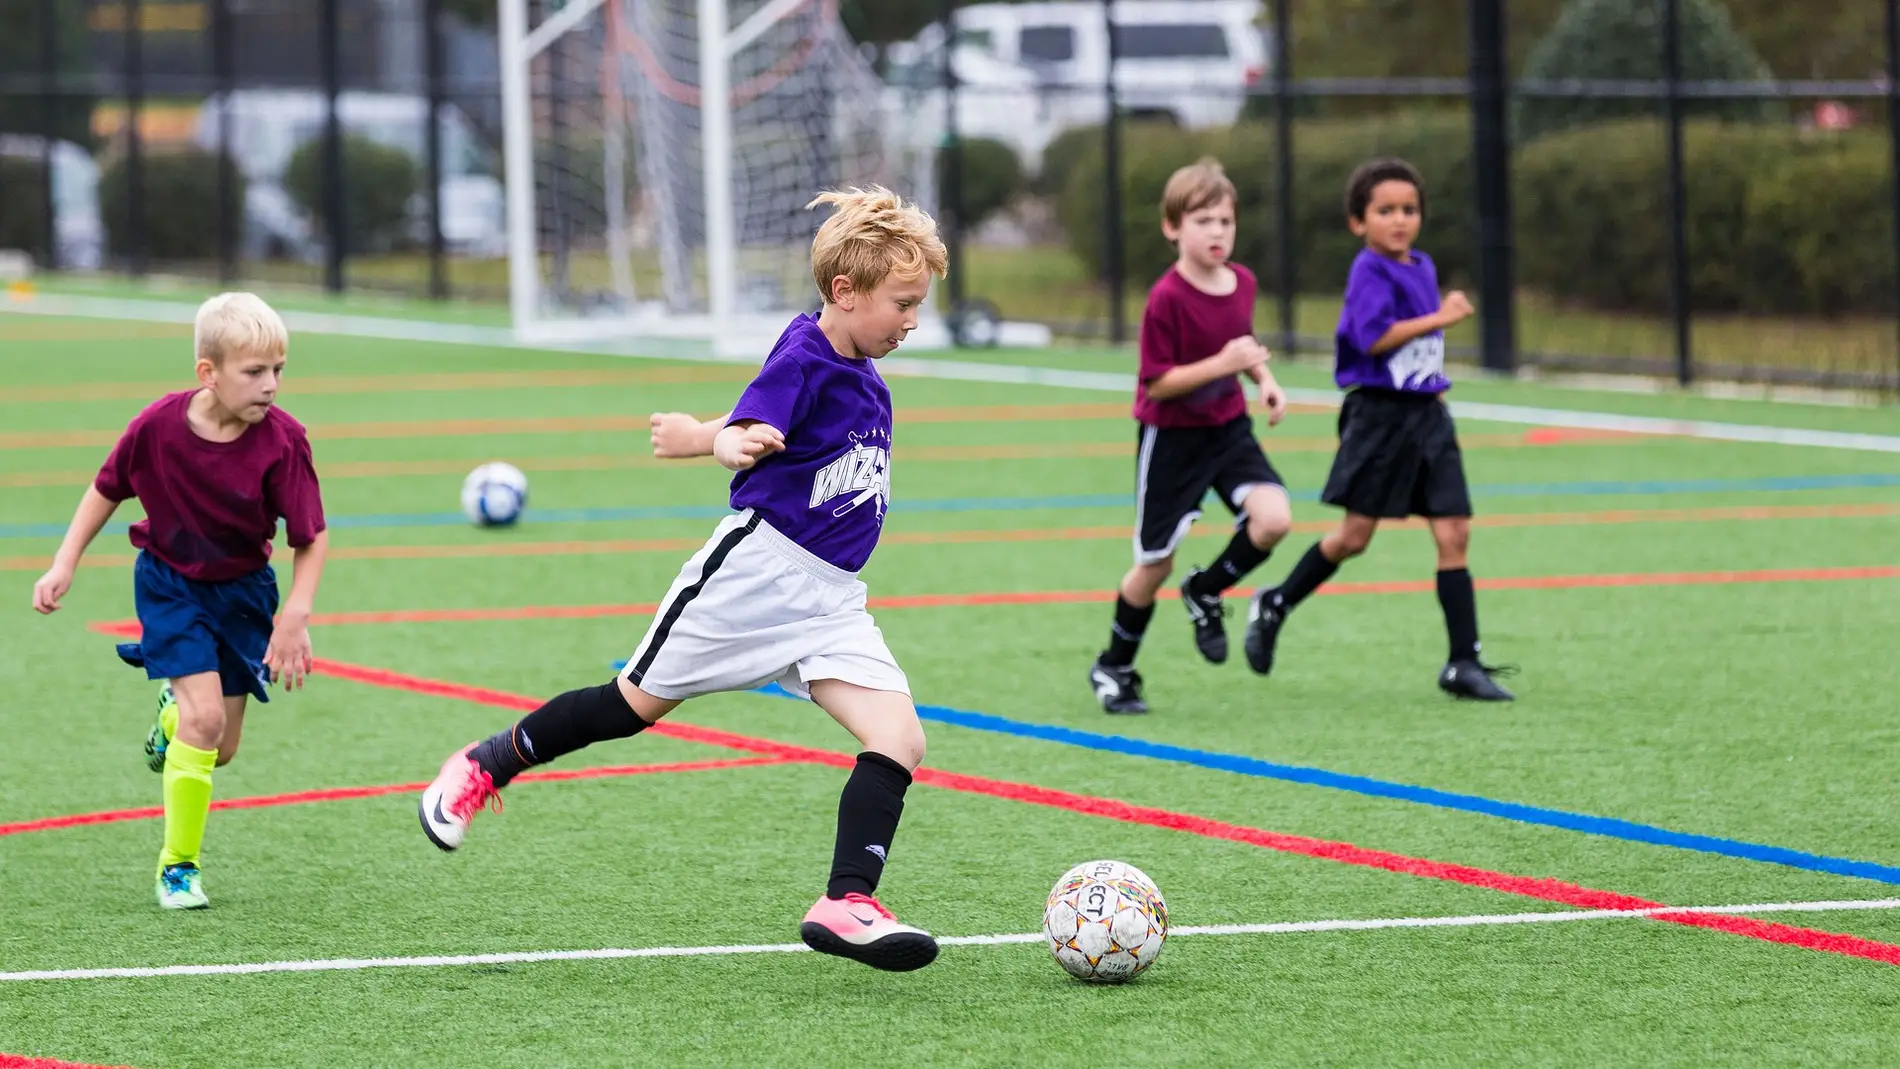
<point>1174,469</point>
<point>1398,456</point>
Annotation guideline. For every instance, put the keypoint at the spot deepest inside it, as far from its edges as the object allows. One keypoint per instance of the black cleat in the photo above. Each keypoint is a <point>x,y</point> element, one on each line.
<point>1207,614</point>
<point>1469,679</point>
<point>1263,632</point>
<point>1118,688</point>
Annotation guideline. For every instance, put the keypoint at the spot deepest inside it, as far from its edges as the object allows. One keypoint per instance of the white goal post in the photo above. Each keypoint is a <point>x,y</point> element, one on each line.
<point>658,157</point>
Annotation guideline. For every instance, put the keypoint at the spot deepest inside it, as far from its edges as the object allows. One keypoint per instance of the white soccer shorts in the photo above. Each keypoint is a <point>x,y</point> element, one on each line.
<point>752,607</point>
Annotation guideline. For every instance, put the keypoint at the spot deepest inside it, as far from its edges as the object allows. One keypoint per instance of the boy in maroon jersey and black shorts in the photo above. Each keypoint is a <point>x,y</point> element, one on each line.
<point>1195,434</point>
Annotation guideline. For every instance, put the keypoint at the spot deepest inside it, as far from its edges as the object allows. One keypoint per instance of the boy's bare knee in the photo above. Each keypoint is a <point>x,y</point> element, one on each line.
<point>201,716</point>
<point>912,745</point>
<point>1268,531</point>
<point>1141,582</point>
<point>1346,543</point>
<point>903,743</point>
<point>644,705</point>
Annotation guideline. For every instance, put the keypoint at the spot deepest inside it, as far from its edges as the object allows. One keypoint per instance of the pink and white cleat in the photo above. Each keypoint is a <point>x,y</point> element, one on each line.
<point>860,928</point>
<point>459,792</point>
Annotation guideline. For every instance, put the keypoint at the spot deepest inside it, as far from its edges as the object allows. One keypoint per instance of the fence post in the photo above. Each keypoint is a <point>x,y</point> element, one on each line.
<point>49,124</point>
<point>1893,139</point>
<point>432,63</point>
<point>224,68</point>
<point>950,162</point>
<point>1678,230</point>
<point>1491,160</point>
<point>1283,148</point>
<point>137,242</point>
<point>1112,163</point>
<point>333,207</point>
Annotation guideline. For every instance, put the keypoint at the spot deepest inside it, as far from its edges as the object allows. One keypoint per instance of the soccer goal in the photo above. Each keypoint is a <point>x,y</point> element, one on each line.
<point>659,155</point>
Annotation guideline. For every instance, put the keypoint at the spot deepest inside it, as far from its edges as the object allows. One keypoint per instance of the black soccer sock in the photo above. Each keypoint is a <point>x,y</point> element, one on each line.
<point>1124,638</point>
<point>868,810</point>
<point>565,724</point>
<point>1306,577</point>
<point>1460,603</point>
<point>1240,557</point>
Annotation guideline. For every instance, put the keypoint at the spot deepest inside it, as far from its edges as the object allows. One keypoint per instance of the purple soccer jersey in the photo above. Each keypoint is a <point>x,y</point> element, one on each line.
<point>211,508</point>
<point>1380,292</point>
<point>828,490</point>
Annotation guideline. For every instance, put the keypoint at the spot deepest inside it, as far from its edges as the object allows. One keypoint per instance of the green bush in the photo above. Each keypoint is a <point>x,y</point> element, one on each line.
<point>1831,214</point>
<point>1592,216</point>
<point>991,175</point>
<point>1621,39</point>
<point>1060,156</point>
<point>23,209</point>
<point>378,182</point>
<point>1324,155</point>
<point>181,205</point>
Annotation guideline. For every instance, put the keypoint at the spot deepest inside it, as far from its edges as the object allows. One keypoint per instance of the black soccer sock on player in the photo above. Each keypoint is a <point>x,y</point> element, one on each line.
<point>868,810</point>
<point>1456,597</point>
<point>1124,638</point>
<point>1240,557</point>
<point>1306,576</point>
<point>565,724</point>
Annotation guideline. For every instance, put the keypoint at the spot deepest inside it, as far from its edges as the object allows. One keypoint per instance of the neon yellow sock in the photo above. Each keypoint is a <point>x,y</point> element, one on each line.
<point>187,801</point>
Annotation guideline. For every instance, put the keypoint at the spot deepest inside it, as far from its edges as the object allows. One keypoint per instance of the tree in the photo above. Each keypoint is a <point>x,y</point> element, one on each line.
<point>21,112</point>
<point>1815,38</point>
<point>880,22</point>
<point>1620,40</point>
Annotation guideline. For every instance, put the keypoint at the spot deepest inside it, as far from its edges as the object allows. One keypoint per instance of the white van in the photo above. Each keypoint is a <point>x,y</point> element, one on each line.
<point>269,125</point>
<point>1029,71</point>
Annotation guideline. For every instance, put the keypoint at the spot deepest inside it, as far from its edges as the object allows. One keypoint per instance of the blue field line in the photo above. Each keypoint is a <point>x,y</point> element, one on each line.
<point>1059,502</point>
<point>1609,827</point>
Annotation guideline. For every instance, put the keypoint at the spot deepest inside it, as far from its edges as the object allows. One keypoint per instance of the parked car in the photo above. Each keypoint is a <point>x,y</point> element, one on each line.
<point>1029,71</point>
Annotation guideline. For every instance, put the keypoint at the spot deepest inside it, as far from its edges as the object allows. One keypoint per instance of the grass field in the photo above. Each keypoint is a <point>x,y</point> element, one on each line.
<point>1706,719</point>
<point>1048,284</point>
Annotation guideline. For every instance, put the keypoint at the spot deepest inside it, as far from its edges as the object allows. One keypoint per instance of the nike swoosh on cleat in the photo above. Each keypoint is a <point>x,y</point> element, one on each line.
<point>439,817</point>
<point>861,920</point>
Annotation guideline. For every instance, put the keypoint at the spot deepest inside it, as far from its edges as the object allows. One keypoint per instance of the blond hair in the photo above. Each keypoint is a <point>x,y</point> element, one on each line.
<point>1201,184</point>
<point>873,235</point>
<point>238,324</point>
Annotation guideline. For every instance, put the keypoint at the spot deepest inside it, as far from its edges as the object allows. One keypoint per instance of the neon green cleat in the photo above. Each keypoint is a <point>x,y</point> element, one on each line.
<point>181,886</point>
<point>164,726</point>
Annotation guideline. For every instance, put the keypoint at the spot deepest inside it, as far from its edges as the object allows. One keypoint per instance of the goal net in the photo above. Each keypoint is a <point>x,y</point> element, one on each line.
<point>659,157</point>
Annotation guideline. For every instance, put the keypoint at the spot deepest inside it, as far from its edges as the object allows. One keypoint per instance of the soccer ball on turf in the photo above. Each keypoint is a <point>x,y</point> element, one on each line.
<point>1105,922</point>
<point>494,494</point>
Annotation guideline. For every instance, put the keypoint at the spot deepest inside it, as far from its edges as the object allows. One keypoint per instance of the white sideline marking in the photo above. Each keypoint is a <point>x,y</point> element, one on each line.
<point>613,953</point>
<point>54,304</point>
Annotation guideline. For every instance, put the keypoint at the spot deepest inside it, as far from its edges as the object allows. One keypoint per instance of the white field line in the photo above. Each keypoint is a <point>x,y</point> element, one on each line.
<point>612,953</point>
<point>961,370</point>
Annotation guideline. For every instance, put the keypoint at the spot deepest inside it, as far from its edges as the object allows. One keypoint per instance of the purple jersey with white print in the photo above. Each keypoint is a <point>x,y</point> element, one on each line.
<point>828,489</point>
<point>1381,291</point>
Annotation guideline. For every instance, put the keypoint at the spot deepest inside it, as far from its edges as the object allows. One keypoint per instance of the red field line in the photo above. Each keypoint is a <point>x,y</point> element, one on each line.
<point>1064,597</point>
<point>443,428</point>
<point>366,469</point>
<point>1112,532</point>
<point>1549,890</point>
<point>296,386</point>
<point>21,1061</point>
<point>341,794</point>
